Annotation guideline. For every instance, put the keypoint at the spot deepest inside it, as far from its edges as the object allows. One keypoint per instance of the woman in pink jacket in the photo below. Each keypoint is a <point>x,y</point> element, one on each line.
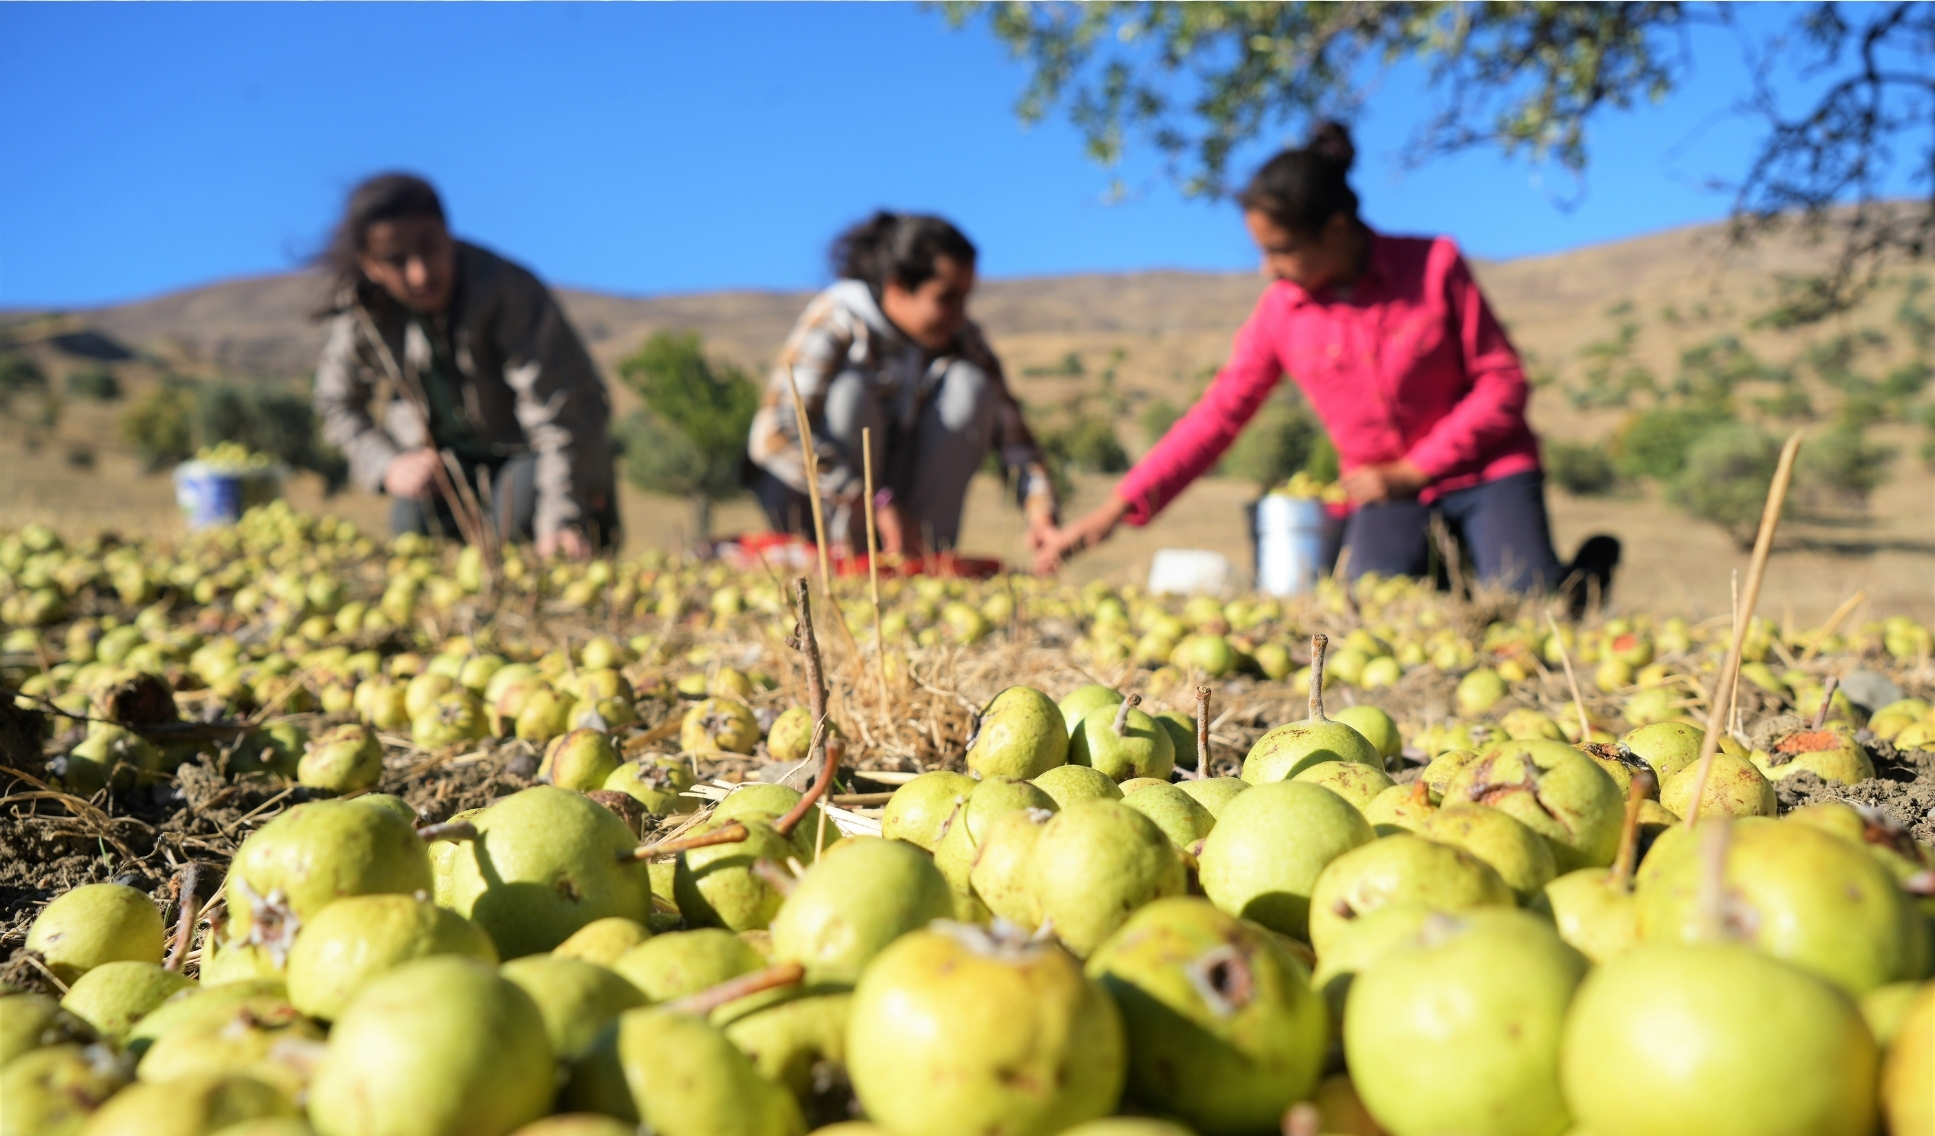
<point>1422,393</point>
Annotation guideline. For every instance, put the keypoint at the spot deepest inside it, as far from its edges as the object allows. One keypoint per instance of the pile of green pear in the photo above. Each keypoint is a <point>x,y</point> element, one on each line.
<point>1100,915</point>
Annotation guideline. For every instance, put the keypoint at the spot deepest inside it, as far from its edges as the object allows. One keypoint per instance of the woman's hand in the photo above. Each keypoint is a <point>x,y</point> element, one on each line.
<point>1090,529</point>
<point>411,474</point>
<point>896,539</point>
<point>570,542</point>
<point>1385,481</point>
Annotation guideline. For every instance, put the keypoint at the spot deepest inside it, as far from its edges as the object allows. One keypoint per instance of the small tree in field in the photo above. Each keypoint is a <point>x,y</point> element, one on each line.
<point>690,438</point>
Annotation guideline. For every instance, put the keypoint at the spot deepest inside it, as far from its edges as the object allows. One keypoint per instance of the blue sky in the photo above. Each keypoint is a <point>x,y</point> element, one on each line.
<point>672,147</point>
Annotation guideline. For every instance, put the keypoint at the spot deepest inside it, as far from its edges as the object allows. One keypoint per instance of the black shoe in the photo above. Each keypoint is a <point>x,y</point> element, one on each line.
<point>1588,580</point>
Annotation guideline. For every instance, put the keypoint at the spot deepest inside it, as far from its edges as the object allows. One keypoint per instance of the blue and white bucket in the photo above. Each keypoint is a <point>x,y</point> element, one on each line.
<point>211,495</point>
<point>1292,537</point>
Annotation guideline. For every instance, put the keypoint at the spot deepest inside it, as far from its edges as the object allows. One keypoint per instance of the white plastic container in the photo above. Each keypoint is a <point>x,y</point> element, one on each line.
<point>1290,536</point>
<point>1191,571</point>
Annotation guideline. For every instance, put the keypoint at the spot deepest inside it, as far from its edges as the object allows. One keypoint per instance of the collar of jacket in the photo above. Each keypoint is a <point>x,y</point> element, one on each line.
<point>1377,274</point>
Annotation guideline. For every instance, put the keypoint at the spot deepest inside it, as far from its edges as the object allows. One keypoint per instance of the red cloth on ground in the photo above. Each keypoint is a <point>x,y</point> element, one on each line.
<point>1412,365</point>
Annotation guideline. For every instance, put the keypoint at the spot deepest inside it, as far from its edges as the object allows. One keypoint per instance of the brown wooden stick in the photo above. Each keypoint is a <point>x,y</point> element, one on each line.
<point>1572,680</point>
<point>705,1001</point>
<point>1711,903</point>
<point>1202,732</point>
<point>1319,645</point>
<point>1827,700</point>
<point>812,458</point>
<point>1728,679</point>
<point>448,830</point>
<point>729,834</point>
<point>809,647</point>
<point>873,563</point>
<point>1642,787</point>
<point>184,926</point>
<point>1834,623</point>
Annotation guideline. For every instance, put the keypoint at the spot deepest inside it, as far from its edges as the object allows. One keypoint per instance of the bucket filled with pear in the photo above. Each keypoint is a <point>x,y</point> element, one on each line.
<point>398,840</point>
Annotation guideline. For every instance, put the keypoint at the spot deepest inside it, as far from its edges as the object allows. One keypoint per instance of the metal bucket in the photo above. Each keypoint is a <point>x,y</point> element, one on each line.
<point>1293,536</point>
<point>212,495</point>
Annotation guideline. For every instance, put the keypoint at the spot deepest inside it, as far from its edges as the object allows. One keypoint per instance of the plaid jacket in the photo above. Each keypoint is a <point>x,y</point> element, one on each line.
<point>843,330</point>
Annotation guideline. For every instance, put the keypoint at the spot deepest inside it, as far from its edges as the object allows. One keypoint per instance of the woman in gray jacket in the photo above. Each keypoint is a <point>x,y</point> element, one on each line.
<point>888,353</point>
<point>442,352</point>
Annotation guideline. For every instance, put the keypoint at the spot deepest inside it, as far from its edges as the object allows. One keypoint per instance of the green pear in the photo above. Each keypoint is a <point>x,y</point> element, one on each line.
<point>1554,790</point>
<point>762,801</point>
<point>685,962</point>
<point>1525,723</point>
<point>716,885</point>
<point>657,783</point>
<point>452,719</point>
<point>1094,864</point>
<point>423,691</point>
<point>443,1046</point>
<point>1022,735</point>
<point>347,759</point>
<point>581,760</point>
<point>1830,753</point>
<point>920,810</point>
<point>719,725</point>
<point>275,748</point>
<point>1400,808</point>
<point>1070,783</point>
<point>1667,747</point>
<point>1399,869</point>
<point>1354,781</point>
<point>955,852</point>
<point>578,1124</point>
<point>857,898</point>
<point>1734,788</point>
<point>443,861</point>
<point>1479,691</point>
<point>53,1090</point>
<point>791,1035</point>
<point>1885,1008</point>
<point>396,805</point>
<point>1520,857</point>
<point>537,712</point>
<point>1181,819</point>
<point>1224,1030</point>
<point>209,1005</point>
<point>1122,742</point>
<point>1755,1046</point>
<point>1289,750</point>
<point>601,941</point>
<point>1084,700</point>
<point>1802,895</point>
<point>1593,908</point>
<point>1437,775</point>
<point>1376,726</point>
<point>250,1040</point>
<point>504,677</point>
<point>1213,793</point>
<point>1269,847</point>
<point>1360,944</point>
<point>954,1029</point>
<point>1000,873</point>
<point>1459,1030</point>
<point>1908,1070</point>
<point>576,998</point>
<point>31,1021</point>
<point>113,996</point>
<point>109,756</point>
<point>687,1079</point>
<point>93,924</point>
<point>790,738</point>
<point>1182,736</point>
<point>198,1105</point>
<point>352,941</point>
<point>546,862</point>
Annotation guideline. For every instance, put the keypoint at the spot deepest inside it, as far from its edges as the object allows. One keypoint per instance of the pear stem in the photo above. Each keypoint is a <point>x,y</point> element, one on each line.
<point>1727,681</point>
<point>816,705</point>
<point>1319,644</point>
<point>1572,680</point>
<point>730,834</point>
<point>184,926</point>
<point>1827,700</point>
<point>1421,793</point>
<point>1202,732</point>
<point>781,880</point>
<point>1641,788</point>
<point>705,1001</point>
<point>449,830</point>
<point>1121,723</point>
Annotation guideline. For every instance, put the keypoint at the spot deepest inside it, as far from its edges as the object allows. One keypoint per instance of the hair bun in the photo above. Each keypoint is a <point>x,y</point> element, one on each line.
<point>1331,139</point>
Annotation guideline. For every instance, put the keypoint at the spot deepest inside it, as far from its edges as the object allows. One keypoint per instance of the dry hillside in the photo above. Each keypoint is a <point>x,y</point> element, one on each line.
<point>1158,334</point>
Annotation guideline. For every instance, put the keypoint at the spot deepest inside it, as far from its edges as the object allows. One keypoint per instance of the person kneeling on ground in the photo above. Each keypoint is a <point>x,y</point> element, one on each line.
<point>437,346</point>
<point>1401,357</point>
<point>889,349</point>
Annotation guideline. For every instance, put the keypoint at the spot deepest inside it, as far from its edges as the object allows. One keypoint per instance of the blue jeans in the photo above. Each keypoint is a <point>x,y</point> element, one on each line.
<point>1502,523</point>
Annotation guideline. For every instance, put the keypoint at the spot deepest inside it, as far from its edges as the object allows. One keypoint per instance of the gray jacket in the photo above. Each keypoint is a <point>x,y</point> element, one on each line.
<point>526,381</point>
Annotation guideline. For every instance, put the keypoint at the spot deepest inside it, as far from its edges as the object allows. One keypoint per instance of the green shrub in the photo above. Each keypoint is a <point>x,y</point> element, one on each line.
<point>176,418</point>
<point>1655,444</point>
<point>99,385</point>
<point>161,425</point>
<point>1086,443</point>
<point>1841,464</point>
<point>1581,469</point>
<point>690,439</point>
<point>1725,478</point>
<point>1157,418</point>
<point>1278,442</point>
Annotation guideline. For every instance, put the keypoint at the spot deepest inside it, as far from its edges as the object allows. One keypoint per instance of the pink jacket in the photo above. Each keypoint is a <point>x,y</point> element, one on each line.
<point>1414,365</point>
